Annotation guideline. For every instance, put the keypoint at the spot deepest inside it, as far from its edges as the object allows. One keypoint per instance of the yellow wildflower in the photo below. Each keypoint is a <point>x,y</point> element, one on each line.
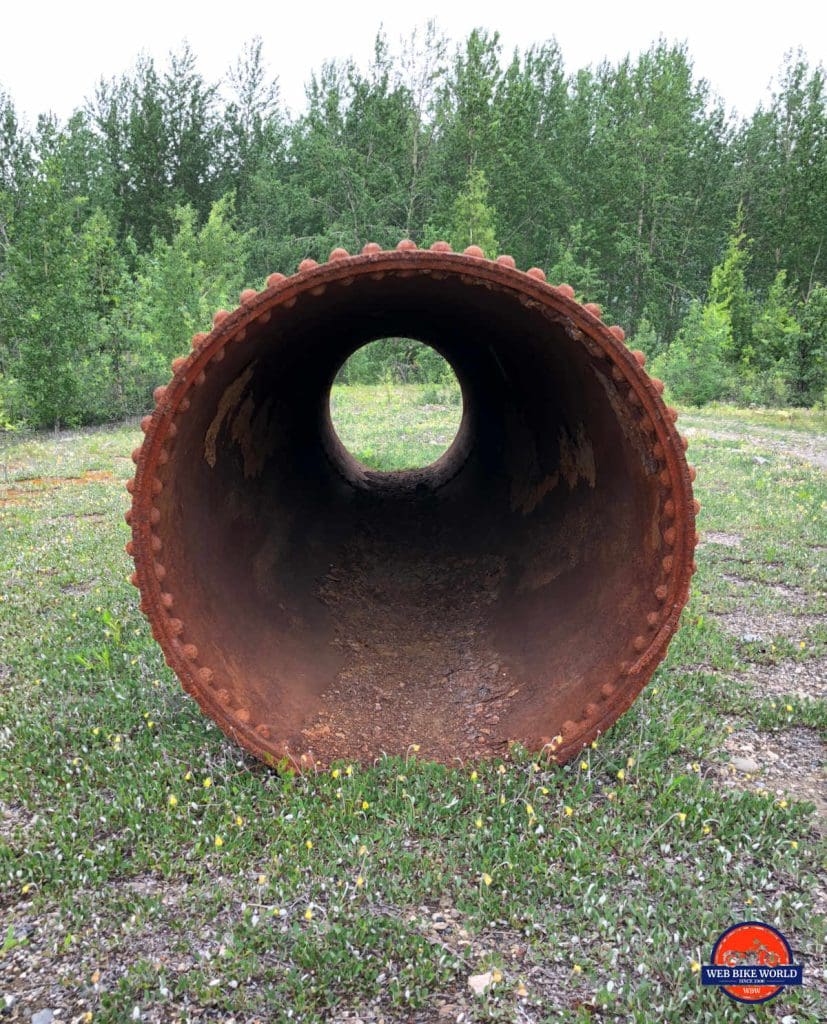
<point>415,748</point>
<point>365,805</point>
<point>349,770</point>
<point>577,969</point>
<point>359,881</point>
<point>309,844</point>
<point>502,799</point>
<point>788,708</point>
<point>474,776</point>
<point>782,804</point>
<point>188,777</point>
<point>529,810</point>
<point>621,774</point>
<point>362,851</point>
<point>522,991</point>
<point>172,800</point>
<point>568,811</point>
<point>794,844</point>
<point>262,880</point>
<point>496,976</point>
<point>308,914</point>
<point>584,766</point>
<point>335,773</point>
<point>501,769</point>
<point>207,782</point>
<point>630,762</point>
<point>219,842</point>
<point>681,817</point>
<point>478,822</point>
<point>239,820</point>
<point>695,967</point>
<point>486,878</point>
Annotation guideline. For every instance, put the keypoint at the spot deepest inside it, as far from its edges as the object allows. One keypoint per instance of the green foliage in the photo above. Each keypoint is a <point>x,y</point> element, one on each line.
<point>694,366</point>
<point>728,291</point>
<point>179,284</point>
<point>620,179</point>
<point>395,360</point>
<point>473,219</point>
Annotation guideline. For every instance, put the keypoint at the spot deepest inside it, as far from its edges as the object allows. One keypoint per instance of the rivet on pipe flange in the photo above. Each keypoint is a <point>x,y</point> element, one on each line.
<point>163,457</point>
<point>617,374</point>
<point>684,441</point>
<point>607,689</point>
<point>371,249</point>
<point>128,516</point>
<point>306,265</point>
<point>338,254</point>
<point>406,245</point>
<point>241,333</point>
<point>667,563</point>
<point>136,454</point>
<point>155,516</point>
<point>219,317</point>
<point>441,246</point>
<point>176,627</point>
<point>167,600</point>
<point>159,394</point>
<point>145,423</point>
<point>183,405</point>
<point>199,339</point>
<point>190,651</point>
<point>661,592</point>
<point>263,731</point>
<point>474,250</point>
<point>633,397</point>
<point>567,290</point>
<point>160,571</point>
<point>157,486</point>
<point>692,473</point>
<point>537,273</point>
<point>507,261</point>
<point>243,715</point>
<point>669,508</point>
<point>639,356</point>
<point>133,579</point>
<point>696,539</point>
<point>639,643</point>
<point>275,279</point>
<point>657,385</point>
<point>652,619</point>
<point>696,506</point>
<point>129,548</point>
<point>595,309</point>
<point>672,413</point>
<point>665,477</point>
<point>647,425</point>
<point>156,543</point>
<point>320,289</point>
<point>199,380</point>
<point>589,712</point>
<point>669,536</point>
<point>248,295</point>
<point>130,485</point>
<point>657,450</point>
<point>219,353</point>
<point>568,729</point>
<point>172,430</point>
<point>205,676</point>
<point>223,696</point>
<point>177,363</point>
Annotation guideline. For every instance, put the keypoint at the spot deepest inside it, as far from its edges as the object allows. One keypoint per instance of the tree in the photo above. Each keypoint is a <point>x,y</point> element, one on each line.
<point>472,219</point>
<point>728,290</point>
<point>808,359</point>
<point>694,367</point>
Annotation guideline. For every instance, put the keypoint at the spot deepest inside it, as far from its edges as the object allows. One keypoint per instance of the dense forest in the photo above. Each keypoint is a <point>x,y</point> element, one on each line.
<point>122,229</point>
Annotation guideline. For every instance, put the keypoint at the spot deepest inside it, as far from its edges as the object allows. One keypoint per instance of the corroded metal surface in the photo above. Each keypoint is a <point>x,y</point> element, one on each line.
<point>523,588</point>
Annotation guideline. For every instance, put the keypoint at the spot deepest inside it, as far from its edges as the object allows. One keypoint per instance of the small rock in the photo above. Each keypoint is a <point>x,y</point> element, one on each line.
<point>745,764</point>
<point>43,1017</point>
<point>760,460</point>
<point>478,983</point>
<point>751,638</point>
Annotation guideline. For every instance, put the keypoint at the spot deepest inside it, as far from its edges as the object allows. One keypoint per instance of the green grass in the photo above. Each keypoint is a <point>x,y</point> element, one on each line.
<point>146,861</point>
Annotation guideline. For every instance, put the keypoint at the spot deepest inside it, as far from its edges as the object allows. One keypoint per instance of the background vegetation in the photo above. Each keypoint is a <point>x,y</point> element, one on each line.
<point>124,228</point>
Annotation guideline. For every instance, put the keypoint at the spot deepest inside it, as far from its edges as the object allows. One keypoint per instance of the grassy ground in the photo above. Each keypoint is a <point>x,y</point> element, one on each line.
<point>150,870</point>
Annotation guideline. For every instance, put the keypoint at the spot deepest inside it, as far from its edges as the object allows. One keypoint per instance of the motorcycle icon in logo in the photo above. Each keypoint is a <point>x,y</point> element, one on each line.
<point>752,962</point>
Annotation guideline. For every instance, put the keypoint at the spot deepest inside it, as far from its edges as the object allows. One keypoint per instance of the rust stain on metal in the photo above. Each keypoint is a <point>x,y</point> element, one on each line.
<point>522,589</point>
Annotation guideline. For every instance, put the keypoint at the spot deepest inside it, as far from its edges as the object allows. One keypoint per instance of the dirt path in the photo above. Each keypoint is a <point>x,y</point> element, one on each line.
<point>811,448</point>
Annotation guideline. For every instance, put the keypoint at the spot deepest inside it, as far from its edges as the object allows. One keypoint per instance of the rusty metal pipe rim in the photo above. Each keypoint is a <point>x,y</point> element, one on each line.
<point>641,395</point>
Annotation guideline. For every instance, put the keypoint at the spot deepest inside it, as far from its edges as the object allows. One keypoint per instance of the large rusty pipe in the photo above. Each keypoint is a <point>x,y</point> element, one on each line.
<point>522,588</point>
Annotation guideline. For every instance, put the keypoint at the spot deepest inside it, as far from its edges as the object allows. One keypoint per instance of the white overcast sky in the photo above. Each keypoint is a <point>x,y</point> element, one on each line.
<point>52,54</point>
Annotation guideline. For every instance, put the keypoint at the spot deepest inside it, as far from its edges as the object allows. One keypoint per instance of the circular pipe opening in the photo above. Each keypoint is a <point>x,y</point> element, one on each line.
<point>396,404</point>
<point>522,587</point>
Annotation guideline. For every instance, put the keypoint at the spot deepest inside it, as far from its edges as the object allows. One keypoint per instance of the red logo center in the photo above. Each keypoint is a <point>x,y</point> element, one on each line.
<point>752,944</point>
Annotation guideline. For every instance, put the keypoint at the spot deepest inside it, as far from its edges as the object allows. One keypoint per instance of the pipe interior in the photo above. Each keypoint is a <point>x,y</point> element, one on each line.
<point>483,598</point>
